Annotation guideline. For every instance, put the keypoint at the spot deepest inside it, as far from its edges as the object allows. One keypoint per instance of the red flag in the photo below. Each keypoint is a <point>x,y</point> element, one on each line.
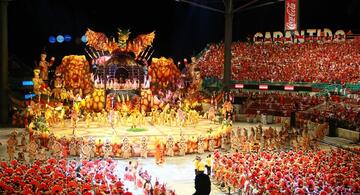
<point>291,14</point>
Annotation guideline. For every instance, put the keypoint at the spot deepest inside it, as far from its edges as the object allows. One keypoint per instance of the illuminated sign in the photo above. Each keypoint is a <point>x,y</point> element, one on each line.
<point>239,86</point>
<point>263,87</point>
<point>27,83</point>
<point>289,88</point>
<point>308,35</point>
<point>28,96</point>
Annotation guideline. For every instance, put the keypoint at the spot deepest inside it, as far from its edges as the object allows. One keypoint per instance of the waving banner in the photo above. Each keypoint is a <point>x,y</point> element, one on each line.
<point>291,14</point>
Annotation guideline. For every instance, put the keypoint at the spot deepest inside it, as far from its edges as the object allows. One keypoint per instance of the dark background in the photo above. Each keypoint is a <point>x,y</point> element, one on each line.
<point>182,30</point>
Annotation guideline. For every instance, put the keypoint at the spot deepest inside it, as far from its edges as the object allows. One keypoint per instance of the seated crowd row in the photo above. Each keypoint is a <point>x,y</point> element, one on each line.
<point>77,177</point>
<point>307,62</point>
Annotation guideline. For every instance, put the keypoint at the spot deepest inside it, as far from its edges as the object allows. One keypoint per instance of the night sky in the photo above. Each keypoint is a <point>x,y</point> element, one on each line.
<point>182,30</point>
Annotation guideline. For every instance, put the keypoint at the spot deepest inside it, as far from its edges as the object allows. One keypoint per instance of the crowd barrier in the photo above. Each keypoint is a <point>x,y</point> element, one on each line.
<point>348,134</point>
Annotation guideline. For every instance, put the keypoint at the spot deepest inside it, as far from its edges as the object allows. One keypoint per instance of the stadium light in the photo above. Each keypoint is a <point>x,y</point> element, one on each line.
<point>67,38</point>
<point>27,83</point>
<point>29,96</point>
<point>289,88</point>
<point>84,39</point>
<point>263,87</point>
<point>52,39</point>
<point>60,38</point>
<point>239,86</point>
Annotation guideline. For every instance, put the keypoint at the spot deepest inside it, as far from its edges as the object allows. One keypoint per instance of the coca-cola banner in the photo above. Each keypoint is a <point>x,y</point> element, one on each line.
<point>291,14</point>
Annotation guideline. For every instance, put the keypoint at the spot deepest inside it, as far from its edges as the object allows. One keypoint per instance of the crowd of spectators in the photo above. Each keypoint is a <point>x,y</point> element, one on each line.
<point>289,172</point>
<point>345,113</point>
<point>76,177</point>
<point>279,104</point>
<point>306,62</point>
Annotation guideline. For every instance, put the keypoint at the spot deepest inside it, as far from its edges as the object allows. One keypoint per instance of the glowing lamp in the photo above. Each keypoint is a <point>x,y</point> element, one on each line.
<point>84,39</point>
<point>67,38</point>
<point>27,83</point>
<point>52,39</point>
<point>29,96</point>
<point>60,38</point>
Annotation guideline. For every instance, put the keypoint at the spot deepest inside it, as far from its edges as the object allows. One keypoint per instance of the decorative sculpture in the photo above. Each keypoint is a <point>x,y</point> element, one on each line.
<point>57,150</point>
<point>93,147</point>
<point>143,147</point>
<point>170,146</point>
<point>51,141</point>
<point>58,85</point>
<point>73,146</point>
<point>85,152</point>
<point>182,146</point>
<point>44,66</point>
<point>32,150</point>
<point>211,144</point>
<point>11,148</point>
<point>99,41</point>
<point>42,154</point>
<point>23,139</point>
<point>80,142</point>
<point>39,86</point>
<point>107,148</point>
<point>126,148</point>
<point>21,156</point>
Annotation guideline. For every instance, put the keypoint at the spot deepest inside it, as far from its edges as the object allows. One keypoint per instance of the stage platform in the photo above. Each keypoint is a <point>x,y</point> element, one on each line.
<point>103,131</point>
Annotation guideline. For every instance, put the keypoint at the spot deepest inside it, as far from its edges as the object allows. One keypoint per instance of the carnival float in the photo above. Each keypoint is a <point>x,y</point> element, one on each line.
<point>118,100</point>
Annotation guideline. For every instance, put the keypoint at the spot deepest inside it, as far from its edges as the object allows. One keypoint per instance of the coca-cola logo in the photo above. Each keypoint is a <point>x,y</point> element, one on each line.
<point>290,15</point>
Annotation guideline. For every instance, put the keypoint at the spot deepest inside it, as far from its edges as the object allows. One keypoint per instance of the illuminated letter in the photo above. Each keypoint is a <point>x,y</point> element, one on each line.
<point>299,37</point>
<point>278,36</point>
<point>258,38</point>
<point>311,33</point>
<point>327,35</point>
<point>267,37</point>
<point>339,36</point>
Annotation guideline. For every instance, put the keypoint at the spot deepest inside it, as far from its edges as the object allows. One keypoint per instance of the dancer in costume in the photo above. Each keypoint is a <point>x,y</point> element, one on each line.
<point>159,153</point>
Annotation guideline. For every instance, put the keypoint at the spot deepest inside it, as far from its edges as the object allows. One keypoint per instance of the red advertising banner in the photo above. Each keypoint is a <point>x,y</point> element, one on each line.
<point>289,88</point>
<point>239,86</point>
<point>264,87</point>
<point>291,8</point>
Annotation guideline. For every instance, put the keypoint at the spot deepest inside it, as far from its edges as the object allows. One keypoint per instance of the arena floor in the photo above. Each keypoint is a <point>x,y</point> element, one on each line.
<point>106,131</point>
<point>178,172</point>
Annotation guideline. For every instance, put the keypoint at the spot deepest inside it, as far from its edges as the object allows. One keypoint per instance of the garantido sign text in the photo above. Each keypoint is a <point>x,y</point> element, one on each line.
<point>308,35</point>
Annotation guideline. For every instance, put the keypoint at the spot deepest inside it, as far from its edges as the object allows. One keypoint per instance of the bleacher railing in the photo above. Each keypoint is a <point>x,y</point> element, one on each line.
<point>217,83</point>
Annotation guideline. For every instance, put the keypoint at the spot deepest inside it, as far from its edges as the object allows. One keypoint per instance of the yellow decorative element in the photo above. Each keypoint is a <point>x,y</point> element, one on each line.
<point>39,86</point>
<point>100,41</point>
<point>164,72</point>
<point>76,72</point>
